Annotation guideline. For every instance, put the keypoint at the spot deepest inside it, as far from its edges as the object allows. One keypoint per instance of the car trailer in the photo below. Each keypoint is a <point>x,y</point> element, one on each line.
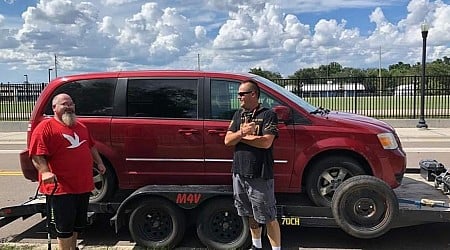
<point>158,215</point>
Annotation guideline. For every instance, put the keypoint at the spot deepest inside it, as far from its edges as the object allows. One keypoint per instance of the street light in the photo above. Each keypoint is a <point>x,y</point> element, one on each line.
<point>26,78</point>
<point>422,123</point>
<point>49,74</point>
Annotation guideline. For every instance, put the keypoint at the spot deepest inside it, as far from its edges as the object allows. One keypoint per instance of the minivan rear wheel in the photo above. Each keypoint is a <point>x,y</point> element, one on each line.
<point>327,174</point>
<point>104,185</point>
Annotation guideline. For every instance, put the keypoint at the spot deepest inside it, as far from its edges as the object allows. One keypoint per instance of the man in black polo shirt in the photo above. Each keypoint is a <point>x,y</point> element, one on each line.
<point>252,132</point>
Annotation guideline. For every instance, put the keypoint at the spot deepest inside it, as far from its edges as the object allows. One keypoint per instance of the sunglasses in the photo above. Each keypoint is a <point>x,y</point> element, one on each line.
<point>241,94</point>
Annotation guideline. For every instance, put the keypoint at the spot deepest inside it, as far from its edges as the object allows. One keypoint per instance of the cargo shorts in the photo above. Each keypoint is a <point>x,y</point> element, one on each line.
<point>254,197</point>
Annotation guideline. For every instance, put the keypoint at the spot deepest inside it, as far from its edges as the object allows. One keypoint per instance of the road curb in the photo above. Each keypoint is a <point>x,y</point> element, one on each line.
<point>13,126</point>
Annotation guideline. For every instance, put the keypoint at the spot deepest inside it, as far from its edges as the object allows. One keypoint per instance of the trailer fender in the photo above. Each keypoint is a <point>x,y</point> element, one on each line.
<point>184,196</point>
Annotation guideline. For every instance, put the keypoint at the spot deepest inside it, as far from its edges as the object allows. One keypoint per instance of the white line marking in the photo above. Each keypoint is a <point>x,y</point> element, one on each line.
<point>427,150</point>
<point>10,151</point>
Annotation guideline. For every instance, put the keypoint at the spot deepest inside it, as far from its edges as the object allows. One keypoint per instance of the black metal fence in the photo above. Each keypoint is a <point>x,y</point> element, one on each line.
<point>17,100</point>
<point>380,97</point>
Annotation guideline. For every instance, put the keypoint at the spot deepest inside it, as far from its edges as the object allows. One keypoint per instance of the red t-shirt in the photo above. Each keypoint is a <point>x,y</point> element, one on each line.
<point>68,153</point>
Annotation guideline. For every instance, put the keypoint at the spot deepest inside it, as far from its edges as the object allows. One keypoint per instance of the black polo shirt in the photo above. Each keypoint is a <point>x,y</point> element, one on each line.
<point>249,161</point>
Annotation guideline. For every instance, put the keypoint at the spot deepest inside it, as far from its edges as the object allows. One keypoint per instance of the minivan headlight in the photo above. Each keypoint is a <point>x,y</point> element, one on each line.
<point>387,141</point>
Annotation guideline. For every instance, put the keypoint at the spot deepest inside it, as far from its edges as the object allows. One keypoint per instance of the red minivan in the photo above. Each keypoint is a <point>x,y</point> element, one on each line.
<point>168,127</point>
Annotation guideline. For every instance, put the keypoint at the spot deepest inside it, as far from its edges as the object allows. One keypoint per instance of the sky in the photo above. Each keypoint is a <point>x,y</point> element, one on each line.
<point>39,38</point>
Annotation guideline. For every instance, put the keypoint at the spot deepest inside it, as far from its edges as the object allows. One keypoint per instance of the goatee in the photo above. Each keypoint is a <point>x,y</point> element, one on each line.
<point>69,119</point>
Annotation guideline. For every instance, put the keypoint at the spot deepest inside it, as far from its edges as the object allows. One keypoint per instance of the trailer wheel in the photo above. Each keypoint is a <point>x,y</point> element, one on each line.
<point>220,227</point>
<point>327,174</point>
<point>157,223</point>
<point>364,207</point>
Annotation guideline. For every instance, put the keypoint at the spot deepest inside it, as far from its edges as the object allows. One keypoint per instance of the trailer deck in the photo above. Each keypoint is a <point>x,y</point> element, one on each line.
<point>419,202</point>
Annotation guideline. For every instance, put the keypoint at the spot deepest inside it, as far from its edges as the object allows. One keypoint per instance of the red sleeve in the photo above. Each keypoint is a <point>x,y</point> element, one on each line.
<point>37,142</point>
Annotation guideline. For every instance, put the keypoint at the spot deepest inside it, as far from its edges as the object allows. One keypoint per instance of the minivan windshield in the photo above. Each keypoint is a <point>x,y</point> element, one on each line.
<point>286,93</point>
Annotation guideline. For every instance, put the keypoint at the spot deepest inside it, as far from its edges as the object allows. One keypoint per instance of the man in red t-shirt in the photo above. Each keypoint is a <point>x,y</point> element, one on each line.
<point>63,152</point>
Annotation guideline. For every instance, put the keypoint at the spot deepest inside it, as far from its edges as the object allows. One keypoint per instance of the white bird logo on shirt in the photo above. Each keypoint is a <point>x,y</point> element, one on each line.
<point>74,141</point>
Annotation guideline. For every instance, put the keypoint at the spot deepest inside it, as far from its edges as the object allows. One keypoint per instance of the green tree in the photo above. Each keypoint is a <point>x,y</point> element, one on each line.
<point>401,69</point>
<point>265,73</point>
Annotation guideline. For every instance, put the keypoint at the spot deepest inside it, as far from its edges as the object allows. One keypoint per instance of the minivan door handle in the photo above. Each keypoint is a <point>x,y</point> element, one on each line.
<point>220,132</point>
<point>188,131</point>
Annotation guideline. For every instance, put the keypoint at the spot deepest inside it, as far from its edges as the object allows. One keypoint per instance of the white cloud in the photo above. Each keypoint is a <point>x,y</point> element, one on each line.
<point>117,2</point>
<point>440,24</point>
<point>157,36</point>
<point>231,35</point>
<point>302,6</point>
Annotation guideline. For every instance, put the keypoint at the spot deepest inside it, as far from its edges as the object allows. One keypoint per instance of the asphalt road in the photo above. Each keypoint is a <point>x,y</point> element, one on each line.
<point>14,189</point>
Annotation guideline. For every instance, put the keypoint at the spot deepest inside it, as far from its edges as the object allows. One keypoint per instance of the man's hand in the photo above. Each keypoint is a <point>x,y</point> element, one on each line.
<point>101,168</point>
<point>48,177</point>
<point>248,129</point>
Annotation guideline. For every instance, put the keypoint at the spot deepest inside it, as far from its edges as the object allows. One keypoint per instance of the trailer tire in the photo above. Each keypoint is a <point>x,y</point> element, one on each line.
<point>220,227</point>
<point>365,207</point>
<point>157,223</point>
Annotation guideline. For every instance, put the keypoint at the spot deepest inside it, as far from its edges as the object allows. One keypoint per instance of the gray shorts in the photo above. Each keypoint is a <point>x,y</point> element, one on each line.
<point>254,197</point>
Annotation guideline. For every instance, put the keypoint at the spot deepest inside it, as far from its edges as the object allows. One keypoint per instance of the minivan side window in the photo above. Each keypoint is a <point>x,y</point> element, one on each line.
<point>224,101</point>
<point>162,98</point>
<point>91,97</point>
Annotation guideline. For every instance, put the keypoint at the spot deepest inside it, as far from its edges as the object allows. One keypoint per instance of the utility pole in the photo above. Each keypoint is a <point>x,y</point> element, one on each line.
<point>379,63</point>
<point>198,61</point>
<point>56,67</point>
<point>379,69</point>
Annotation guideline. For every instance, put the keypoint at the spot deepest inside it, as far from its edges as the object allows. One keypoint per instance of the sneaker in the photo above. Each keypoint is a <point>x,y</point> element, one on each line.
<point>256,248</point>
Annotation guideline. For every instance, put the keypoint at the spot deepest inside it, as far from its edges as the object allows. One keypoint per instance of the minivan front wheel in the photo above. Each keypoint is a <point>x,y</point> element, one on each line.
<point>327,174</point>
<point>104,185</point>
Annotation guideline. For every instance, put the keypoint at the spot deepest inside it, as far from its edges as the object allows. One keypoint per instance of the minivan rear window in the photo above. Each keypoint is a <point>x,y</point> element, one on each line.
<point>92,97</point>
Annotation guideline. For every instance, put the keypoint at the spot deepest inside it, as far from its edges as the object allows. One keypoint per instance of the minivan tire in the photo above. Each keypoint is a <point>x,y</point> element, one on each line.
<point>104,185</point>
<point>327,174</point>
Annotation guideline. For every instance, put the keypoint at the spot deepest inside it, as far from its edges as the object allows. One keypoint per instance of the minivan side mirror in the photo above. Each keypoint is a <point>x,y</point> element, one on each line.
<point>283,113</point>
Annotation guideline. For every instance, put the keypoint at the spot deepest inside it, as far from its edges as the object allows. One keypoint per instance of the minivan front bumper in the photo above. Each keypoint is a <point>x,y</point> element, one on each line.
<point>392,167</point>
